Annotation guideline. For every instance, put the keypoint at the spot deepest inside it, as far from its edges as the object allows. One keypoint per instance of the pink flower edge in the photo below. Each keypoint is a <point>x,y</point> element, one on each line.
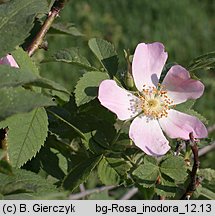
<point>148,136</point>
<point>180,125</point>
<point>180,87</point>
<point>9,60</point>
<point>116,99</point>
<point>147,65</point>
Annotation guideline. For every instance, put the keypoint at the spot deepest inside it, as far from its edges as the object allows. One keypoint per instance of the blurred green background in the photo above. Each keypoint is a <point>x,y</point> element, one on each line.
<point>185,27</point>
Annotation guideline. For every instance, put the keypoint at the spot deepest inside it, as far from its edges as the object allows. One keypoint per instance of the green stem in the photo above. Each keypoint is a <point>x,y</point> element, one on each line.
<point>66,122</point>
<point>38,40</point>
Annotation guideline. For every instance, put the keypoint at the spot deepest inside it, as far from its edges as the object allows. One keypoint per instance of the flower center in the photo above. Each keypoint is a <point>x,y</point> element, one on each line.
<point>154,102</point>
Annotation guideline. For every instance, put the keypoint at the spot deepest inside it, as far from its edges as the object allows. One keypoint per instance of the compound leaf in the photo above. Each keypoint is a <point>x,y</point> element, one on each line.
<point>27,133</point>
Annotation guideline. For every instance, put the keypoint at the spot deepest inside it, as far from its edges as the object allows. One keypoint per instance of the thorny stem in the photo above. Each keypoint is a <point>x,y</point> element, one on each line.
<point>38,40</point>
<point>194,181</point>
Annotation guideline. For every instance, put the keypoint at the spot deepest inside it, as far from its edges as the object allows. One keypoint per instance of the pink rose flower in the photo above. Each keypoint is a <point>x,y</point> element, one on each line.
<point>9,60</point>
<point>152,107</point>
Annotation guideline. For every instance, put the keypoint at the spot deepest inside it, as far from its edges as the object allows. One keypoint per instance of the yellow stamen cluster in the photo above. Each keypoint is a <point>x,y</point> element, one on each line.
<point>154,102</point>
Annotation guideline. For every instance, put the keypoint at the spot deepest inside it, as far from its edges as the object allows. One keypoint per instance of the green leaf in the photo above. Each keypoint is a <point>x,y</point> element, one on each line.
<point>58,144</point>
<point>5,167</point>
<point>206,61</point>
<point>27,133</point>
<point>174,167</point>
<point>185,106</point>
<point>12,77</point>
<point>70,56</point>
<point>25,62</point>
<point>51,160</point>
<point>93,115</point>
<point>106,54</point>
<point>111,171</point>
<point>121,144</point>
<point>19,100</point>
<point>80,173</point>
<point>24,185</point>
<point>208,174</point>
<point>101,139</point>
<point>166,188</point>
<point>146,174</point>
<point>75,129</point>
<point>64,28</point>
<point>87,87</point>
<point>205,192</point>
<point>16,21</point>
<point>104,135</point>
<point>94,146</point>
<point>49,84</point>
<point>28,73</point>
<point>150,159</point>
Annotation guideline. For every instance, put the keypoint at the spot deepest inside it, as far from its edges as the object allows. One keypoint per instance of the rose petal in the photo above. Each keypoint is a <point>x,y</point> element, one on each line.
<point>118,100</point>
<point>180,125</point>
<point>9,60</point>
<point>180,87</point>
<point>147,65</point>
<point>148,136</point>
